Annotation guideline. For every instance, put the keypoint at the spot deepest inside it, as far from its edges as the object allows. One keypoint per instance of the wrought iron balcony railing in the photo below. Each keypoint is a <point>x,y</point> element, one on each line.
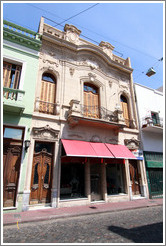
<point>149,121</point>
<point>98,112</point>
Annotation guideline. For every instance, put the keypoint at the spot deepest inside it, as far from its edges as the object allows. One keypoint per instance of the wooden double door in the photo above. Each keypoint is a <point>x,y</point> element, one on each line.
<point>41,180</point>
<point>134,177</point>
<point>11,169</point>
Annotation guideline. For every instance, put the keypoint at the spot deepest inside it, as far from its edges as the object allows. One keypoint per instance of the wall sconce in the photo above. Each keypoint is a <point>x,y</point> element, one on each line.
<point>27,144</point>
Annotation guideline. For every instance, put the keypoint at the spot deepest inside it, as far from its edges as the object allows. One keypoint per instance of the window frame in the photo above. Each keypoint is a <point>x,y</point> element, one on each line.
<point>17,62</point>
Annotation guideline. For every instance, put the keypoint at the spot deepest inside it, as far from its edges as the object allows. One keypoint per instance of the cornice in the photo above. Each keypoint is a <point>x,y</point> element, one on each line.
<point>21,39</point>
<point>86,47</point>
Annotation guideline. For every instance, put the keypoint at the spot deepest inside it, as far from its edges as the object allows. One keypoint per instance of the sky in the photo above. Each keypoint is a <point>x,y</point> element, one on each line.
<point>135,28</point>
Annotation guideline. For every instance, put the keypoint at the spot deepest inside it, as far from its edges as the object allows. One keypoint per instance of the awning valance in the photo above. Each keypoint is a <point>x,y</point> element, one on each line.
<point>99,150</point>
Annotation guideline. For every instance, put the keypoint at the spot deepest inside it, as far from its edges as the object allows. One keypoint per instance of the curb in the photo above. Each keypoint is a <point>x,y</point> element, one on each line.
<point>64,216</point>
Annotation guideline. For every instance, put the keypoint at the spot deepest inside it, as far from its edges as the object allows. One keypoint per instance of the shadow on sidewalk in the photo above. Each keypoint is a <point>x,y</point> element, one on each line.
<point>152,233</point>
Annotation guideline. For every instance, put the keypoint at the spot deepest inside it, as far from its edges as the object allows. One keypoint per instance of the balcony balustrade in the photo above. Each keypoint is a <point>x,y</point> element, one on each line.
<point>13,99</point>
<point>47,107</point>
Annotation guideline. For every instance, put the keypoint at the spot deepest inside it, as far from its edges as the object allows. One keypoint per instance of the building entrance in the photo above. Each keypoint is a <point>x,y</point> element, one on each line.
<point>134,177</point>
<point>95,180</point>
<point>41,180</point>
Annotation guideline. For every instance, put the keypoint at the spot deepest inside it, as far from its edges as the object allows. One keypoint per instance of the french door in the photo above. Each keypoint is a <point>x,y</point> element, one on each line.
<point>41,180</point>
<point>91,101</point>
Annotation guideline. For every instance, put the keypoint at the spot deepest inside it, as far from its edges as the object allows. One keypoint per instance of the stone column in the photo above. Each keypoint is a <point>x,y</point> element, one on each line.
<point>27,189</point>
<point>143,180</point>
<point>129,186</point>
<point>87,180</point>
<point>103,181</point>
<point>56,176</point>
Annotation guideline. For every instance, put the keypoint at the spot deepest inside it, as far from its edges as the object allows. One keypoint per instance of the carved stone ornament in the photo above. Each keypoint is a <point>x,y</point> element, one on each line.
<point>46,133</point>
<point>72,33</point>
<point>96,139</point>
<point>107,48</point>
<point>72,29</point>
<point>132,143</point>
<point>71,71</point>
<point>91,77</point>
<point>106,45</point>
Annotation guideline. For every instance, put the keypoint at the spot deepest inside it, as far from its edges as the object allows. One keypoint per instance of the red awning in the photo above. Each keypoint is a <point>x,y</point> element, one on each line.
<point>120,151</point>
<point>99,150</point>
<point>86,149</point>
<point>78,148</point>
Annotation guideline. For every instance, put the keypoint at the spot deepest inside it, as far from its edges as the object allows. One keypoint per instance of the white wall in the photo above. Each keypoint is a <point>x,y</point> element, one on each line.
<point>150,100</point>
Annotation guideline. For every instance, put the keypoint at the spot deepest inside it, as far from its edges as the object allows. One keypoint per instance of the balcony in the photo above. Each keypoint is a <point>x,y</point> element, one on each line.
<point>13,100</point>
<point>152,125</point>
<point>94,116</point>
<point>47,107</point>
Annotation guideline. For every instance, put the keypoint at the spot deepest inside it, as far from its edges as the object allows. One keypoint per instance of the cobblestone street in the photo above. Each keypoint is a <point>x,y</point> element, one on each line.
<point>144,225</point>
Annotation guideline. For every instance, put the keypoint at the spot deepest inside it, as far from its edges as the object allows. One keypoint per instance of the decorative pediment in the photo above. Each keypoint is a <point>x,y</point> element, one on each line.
<point>132,143</point>
<point>45,133</point>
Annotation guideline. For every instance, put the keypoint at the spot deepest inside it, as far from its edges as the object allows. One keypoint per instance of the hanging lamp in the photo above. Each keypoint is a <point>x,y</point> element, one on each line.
<point>150,72</point>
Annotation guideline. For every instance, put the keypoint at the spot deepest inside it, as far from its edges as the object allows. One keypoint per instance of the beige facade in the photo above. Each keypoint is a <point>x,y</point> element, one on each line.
<point>71,64</point>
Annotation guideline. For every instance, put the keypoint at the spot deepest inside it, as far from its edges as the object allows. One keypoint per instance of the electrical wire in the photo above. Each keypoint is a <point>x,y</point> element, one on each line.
<point>83,11</point>
<point>97,34</point>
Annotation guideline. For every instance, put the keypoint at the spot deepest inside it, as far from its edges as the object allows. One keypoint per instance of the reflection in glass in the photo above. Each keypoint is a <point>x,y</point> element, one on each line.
<point>13,133</point>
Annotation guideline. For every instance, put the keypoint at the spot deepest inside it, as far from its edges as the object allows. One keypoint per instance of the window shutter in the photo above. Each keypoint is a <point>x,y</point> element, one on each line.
<point>47,96</point>
<point>125,112</point>
<point>17,77</point>
<point>6,74</point>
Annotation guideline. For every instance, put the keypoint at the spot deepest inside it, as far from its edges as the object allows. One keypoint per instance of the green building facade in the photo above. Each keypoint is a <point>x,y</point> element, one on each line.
<point>20,66</point>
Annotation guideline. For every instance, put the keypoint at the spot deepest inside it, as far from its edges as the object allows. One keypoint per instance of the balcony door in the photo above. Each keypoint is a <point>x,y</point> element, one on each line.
<point>91,101</point>
<point>47,94</point>
<point>125,110</point>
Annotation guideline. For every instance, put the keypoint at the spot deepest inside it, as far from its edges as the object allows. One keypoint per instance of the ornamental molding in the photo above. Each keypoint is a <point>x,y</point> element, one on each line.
<point>96,139</point>
<point>45,133</point>
<point>132,143</point>
<point>72,33</point>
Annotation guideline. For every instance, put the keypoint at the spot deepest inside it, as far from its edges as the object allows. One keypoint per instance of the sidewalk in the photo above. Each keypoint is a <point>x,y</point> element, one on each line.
<point>56,213</point>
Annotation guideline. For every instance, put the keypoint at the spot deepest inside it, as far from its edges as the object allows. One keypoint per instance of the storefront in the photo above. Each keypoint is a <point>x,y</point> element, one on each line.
<point>94,171</point>
<point>154,170</point>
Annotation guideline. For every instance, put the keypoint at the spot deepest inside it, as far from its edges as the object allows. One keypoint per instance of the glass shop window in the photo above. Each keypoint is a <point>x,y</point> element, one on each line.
<point>115,179</point>
<point>72,181</point>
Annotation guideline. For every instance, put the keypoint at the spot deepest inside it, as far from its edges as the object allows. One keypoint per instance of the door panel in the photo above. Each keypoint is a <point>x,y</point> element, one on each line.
<point>134,177</point>
<point>41,177</point>
<point>11,170</point>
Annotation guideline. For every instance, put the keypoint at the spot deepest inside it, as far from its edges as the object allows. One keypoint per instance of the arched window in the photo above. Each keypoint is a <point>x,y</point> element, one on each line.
<point>125,109</point>
<point>91,100</point>
<point>47,93</point>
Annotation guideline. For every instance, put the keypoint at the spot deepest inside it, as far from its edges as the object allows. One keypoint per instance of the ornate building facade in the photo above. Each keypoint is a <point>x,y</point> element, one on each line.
<point>84,133</point>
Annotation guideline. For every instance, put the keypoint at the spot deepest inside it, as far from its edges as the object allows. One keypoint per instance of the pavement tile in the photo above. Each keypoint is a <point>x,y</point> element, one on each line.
<point>53,213</point>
